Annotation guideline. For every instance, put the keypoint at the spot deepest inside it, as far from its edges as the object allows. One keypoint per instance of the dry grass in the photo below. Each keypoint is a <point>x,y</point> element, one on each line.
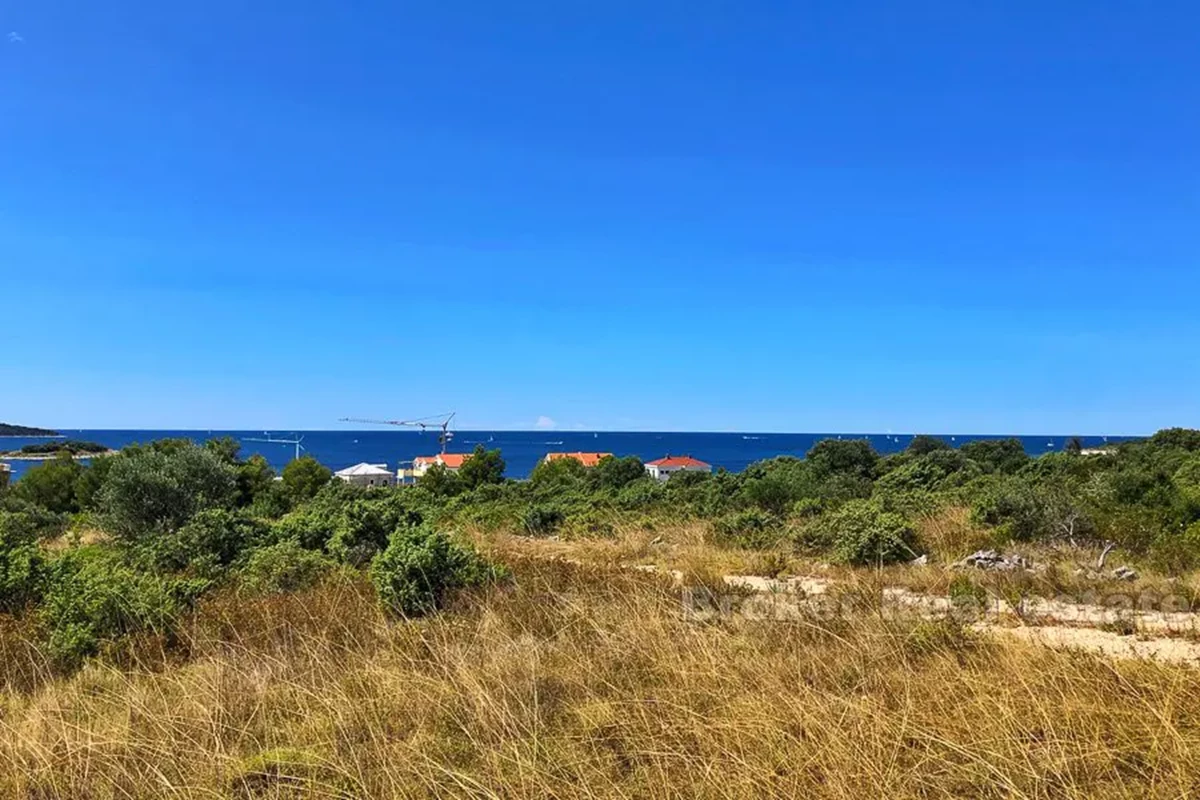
<point>586,681</point>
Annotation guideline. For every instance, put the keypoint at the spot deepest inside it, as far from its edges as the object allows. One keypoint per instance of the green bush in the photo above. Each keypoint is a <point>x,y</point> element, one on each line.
<point>272,503</point>
<point>156,490</point>
<point>640,495</point>
<point>93,598</point>
<point>542,520</point>
<point>90,481</point>
<point>483,467</point>
<point>1011,505</point>
<point>421,566</point>
<point>283,567</point>
<point>862,533</point>
<point>209,543</point>
<point>51,484</point>
<point>937,470</point>
<point>1005,456</point>
<point>613,474</point>
<point>304,477</point>
<point>850,457</point>
<point>364,525</point>
<point>752,529</point>
<point>22,566</point>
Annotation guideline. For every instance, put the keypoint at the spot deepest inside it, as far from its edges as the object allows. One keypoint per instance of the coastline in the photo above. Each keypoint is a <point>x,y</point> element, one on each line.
<point>18,456</point>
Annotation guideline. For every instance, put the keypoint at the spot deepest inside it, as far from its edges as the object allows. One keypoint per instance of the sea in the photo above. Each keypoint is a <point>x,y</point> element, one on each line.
<point>523,449</point>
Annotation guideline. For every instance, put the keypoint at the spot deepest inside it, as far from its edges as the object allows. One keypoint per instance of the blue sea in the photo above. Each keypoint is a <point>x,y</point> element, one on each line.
<point>523,449</point>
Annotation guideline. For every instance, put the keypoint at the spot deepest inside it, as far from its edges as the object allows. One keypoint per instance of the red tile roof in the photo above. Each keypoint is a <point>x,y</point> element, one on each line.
<point>678,461</point>
<point>587,459</point>
<point>451,460</point>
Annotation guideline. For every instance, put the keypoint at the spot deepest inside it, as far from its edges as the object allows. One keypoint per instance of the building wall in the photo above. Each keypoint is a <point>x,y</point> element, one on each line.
<point>370,480</point>
<point>663,473</point>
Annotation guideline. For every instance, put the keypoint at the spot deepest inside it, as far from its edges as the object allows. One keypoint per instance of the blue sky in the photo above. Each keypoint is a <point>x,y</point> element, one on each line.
<point>926,216</point>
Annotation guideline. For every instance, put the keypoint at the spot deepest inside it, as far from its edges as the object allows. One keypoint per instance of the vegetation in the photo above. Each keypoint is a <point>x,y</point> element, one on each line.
<point>431,640</point>
<point>72,446</point>
<point>8,429</point>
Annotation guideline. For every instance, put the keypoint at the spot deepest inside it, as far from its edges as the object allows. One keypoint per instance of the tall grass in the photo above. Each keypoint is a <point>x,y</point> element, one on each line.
<point>585,681</point>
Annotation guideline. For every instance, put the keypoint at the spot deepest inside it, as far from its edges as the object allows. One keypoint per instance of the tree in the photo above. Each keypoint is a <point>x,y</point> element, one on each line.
<point>226,448</point>
<point>440,481</point>
<point>854,457</point>
<point>304,477</point>
<point>255,477</point>
<point>51,484</point>
<point>924,444</point>
<point>561,473</point>
<point>614,473</point>
<point>1182,438</point>
<point>91,480</point>
<point>1074,446</point>
<point>1005,456</point>
<point>483,467</point>
<point>154,490</point>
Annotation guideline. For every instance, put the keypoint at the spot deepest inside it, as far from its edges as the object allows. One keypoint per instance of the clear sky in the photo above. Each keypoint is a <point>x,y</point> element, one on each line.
<point>788,216</point>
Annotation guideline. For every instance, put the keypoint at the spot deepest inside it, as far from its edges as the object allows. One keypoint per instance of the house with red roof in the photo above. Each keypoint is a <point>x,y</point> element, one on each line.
<point>664,468</point>
<point>451,461</point>
<point>587,459</point>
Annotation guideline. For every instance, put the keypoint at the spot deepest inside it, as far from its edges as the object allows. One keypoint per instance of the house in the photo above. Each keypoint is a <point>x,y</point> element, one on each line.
<point>587,459</point>
<point>367,475</point>
<point>664,468</point>
<point>451,461</point>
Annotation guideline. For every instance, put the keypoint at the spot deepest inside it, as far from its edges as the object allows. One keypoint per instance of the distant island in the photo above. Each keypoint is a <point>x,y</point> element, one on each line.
<point>23,430</point>
<point>48,450</point>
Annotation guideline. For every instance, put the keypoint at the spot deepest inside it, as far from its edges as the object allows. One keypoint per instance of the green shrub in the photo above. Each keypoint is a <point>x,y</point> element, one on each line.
<point>640,495</point>
<point>850,457</point>
<point>1005,456</point>
<point>613,474</point>
<point>861,533</point>
<point>558,475</point>
<point>419,568</point>
<point>156,490</point>
<point>91,480</point>
<point>1012,506</point>
<point>304,477</point>
<point>923,444</point>
<point>51,484</point>
<point>751,529</point>
<point>283,567</point>
<point>364,525</point>
<point>210,542</point>
<point>542,520</point>
<point>808,507</point>
<point>483,467</point>
<point>272,503</point>
<point>935,471</point>
<point>22,566</point>
<point>92,598</point>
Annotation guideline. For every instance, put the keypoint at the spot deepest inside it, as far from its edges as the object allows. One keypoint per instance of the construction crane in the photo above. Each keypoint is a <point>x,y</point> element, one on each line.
<point>295,442</point>
<point>440,421</point>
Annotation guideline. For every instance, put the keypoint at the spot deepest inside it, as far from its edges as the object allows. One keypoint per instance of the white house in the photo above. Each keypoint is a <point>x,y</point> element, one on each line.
<point>367,475</point>
<point>664,468</point>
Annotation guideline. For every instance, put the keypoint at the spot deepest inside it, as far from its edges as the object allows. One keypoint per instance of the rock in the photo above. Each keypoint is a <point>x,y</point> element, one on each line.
<point>992,560</point>
<point>920,561</point>
<point>1125,574</point>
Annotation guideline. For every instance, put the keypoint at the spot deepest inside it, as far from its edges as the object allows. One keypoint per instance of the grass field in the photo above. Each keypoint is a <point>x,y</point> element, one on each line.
<point>583,679</point>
